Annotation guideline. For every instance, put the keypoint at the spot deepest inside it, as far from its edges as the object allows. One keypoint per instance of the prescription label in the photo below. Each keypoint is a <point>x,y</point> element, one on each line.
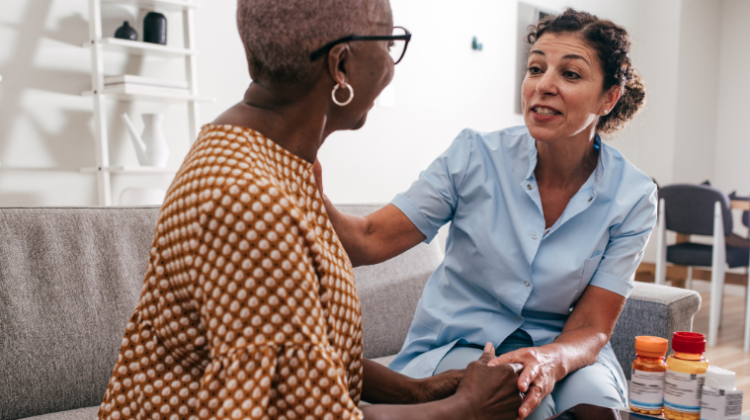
<point>682,391</point>
<point>719,404</point>
<point>647,390</point>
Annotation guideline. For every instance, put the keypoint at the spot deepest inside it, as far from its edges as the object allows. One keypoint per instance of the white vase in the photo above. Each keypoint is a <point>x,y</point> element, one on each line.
<point>151,146</point>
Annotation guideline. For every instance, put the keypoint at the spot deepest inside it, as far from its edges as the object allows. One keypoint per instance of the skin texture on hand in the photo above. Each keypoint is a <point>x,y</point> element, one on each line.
<point>492,391</point>
<point>586,332</point>
<point>384,386</point>
<point>484,393</point>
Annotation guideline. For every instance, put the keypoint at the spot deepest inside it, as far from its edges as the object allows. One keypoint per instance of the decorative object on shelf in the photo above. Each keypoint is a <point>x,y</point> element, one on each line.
<point>150,147</point>
<point>126,32</point>
<point>475,45</point>
<point>155,28</point>
<point>142,197</point>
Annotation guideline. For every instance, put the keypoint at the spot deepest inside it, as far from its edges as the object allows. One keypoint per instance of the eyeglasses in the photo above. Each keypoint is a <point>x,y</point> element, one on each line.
<point>397,48</point>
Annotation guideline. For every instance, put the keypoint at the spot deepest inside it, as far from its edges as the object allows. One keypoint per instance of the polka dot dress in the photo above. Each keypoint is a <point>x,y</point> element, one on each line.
<point>248,309</point>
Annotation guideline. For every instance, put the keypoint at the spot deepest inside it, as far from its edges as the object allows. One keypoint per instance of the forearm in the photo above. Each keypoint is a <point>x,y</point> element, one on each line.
<point>577,348</point>
<point>384,386</point>
<point>451,408</point>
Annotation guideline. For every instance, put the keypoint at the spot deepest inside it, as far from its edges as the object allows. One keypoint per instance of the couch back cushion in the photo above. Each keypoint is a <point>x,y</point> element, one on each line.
<point>70,278</point>
<point>389,292</point>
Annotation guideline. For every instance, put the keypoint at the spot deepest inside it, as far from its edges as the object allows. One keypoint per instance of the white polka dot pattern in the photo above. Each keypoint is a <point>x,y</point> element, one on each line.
<point>249,309</point>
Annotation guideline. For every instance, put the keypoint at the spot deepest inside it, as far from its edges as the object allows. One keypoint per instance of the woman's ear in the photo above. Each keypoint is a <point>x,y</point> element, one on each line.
<point>612,97</point>
<point>338,63</point>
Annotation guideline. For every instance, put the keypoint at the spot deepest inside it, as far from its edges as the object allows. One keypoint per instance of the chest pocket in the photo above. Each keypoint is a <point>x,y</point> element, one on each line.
<point>589,268</point>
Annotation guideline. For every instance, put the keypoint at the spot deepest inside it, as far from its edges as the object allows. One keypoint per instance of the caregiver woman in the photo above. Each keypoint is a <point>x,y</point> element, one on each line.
<point>548,225</point>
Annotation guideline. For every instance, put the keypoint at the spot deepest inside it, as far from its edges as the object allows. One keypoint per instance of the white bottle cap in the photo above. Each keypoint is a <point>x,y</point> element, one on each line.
<point>719,378</point>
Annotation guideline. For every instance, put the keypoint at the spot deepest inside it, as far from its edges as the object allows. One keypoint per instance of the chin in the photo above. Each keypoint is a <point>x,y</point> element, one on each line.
<point>360,123</point>
<point>542,134</point>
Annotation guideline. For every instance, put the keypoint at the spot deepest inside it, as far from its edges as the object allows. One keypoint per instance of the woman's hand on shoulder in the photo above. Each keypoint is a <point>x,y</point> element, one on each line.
<point>491,391</point>
<point>542,368</point>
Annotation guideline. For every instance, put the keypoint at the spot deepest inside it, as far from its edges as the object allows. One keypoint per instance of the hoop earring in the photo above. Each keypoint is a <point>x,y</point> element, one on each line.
<point>348,101</point>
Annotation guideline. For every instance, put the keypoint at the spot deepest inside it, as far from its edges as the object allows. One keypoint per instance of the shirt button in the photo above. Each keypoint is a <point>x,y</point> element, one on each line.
<point>533,236</point>
<point>590,198</point>
<point>528,186</point>
<point>527,283</point>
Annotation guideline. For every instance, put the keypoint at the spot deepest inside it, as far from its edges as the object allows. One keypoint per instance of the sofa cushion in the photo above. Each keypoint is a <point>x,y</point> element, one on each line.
<point>69,280</point>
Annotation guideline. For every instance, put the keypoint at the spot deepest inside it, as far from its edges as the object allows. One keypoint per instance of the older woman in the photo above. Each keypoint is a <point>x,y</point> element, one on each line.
<point>249,307</point>
<point>548,226</point>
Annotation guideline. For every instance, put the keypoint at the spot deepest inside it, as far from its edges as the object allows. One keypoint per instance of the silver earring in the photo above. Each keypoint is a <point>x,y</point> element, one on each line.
<point>606,111</point>
<point>348,101</point>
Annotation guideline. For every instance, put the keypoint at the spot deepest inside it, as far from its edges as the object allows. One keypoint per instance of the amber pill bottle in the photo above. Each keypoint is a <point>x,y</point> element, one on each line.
<point>686,374</point>
<point>647,376</point>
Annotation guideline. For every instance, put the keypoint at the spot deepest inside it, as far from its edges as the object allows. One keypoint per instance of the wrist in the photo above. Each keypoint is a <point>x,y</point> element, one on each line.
<point>561,365</point>
<point>415,391</point>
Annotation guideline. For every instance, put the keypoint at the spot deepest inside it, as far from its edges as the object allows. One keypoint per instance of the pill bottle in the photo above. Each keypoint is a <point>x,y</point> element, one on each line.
<point>685,376</point>
<point>647,376</point>
<point>720,400</point>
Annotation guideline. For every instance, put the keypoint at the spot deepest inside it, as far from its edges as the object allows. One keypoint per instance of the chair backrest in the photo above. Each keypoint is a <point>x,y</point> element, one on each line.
<point>689,209</point>
<point>70,278</point>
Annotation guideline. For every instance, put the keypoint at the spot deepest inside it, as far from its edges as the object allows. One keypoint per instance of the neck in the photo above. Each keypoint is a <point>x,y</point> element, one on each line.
<point>295,119</point>
<point>566,162</point>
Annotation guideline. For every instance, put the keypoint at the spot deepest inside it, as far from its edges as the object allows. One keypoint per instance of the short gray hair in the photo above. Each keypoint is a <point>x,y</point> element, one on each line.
<point>280,35</point>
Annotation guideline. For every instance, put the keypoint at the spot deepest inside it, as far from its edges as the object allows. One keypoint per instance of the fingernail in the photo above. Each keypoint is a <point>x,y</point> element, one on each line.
<point>487,347</point>
<point>525,385</point>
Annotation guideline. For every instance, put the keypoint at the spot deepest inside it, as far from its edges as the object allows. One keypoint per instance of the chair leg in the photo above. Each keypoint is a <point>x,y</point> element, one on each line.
<point>660,276</point>
<point>718,264</point>
<point>689,279</point>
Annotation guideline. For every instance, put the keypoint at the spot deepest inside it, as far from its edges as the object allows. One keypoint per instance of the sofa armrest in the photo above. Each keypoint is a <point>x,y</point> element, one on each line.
<point>652,310</point>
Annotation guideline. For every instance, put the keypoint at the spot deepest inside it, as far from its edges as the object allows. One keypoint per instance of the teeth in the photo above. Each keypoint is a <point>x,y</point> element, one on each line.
<point>545,112</point>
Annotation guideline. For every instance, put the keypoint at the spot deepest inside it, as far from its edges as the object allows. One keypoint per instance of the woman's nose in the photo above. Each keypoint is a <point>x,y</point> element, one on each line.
<point>547,84</point>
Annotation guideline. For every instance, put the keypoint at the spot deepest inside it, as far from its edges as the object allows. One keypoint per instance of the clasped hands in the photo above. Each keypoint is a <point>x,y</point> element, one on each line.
<point>510,386</point>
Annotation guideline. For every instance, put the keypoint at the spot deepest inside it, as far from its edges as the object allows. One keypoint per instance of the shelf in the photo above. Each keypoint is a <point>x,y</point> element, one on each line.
<point>158,5</point>
<point>159,96</point>
<point>142,48</point>
<point>134,170</point>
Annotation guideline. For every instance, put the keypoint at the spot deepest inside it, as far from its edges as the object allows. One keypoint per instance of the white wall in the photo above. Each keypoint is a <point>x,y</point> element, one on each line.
<point>441,87</point>
<point>732,158</point>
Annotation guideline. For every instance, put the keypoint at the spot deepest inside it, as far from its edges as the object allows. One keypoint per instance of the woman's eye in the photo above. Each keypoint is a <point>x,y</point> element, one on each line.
<point>534,70</point>
<point>571,75</point>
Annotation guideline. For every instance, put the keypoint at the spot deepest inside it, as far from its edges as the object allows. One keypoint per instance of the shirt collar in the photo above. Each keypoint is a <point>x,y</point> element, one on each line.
<point>598,172</point>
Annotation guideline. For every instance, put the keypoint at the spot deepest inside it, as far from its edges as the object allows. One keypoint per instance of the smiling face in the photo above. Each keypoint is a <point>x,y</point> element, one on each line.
<point>562,92</point>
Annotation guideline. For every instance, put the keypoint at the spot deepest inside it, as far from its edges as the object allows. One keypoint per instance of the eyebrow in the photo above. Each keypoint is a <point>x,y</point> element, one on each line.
<point>565,57</point>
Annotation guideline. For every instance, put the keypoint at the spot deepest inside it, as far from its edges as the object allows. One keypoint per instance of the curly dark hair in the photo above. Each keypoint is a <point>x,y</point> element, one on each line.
<point>612,45</point>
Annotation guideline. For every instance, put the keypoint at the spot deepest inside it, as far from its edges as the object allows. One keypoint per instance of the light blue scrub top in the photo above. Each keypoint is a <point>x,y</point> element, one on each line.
<point>502,269</point>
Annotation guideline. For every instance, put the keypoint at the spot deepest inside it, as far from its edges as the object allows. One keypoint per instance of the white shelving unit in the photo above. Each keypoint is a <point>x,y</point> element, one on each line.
<point>98,44</point>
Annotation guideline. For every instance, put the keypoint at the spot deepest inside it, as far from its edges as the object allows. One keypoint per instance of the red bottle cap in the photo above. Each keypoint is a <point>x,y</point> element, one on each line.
<point>688,342</point>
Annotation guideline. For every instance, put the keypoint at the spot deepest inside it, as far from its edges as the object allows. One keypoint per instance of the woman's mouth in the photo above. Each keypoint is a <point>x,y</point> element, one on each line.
<point>544,111</point>
<point>544,114</point>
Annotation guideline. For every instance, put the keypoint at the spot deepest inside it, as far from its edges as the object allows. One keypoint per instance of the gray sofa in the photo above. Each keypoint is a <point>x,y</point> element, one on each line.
<point>70,278</point>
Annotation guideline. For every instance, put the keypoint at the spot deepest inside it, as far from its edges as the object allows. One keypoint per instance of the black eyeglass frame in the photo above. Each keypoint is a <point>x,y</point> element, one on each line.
<point>326,48</point>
